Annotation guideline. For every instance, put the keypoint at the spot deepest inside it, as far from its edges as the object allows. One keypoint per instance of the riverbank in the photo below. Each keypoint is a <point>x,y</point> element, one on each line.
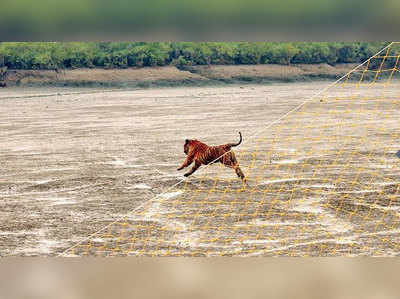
<point>173,76</point>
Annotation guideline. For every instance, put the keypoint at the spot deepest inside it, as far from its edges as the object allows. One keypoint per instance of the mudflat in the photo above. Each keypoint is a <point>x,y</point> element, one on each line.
<point>323,181</point>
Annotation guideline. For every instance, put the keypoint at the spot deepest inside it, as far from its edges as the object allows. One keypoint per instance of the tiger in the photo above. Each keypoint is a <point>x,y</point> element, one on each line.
<point>202,153</point>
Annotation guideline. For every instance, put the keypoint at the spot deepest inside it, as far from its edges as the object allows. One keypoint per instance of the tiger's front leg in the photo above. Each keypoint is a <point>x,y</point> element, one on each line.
<point>188,161</point>
<point>194,168</point>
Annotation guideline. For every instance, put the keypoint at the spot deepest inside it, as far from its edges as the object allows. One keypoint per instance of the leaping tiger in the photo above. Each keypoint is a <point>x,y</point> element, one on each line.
<point>202,153</point>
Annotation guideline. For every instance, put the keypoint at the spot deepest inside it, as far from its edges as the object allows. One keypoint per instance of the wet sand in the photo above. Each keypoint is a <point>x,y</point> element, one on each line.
<point>324,181</point>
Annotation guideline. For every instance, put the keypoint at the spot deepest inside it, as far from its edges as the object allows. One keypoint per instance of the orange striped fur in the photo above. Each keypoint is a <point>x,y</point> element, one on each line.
<point>201,153</point>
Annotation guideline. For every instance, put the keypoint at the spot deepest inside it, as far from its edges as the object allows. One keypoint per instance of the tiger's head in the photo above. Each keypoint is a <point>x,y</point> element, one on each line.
<point>189,144</point>
<point>193,145</point>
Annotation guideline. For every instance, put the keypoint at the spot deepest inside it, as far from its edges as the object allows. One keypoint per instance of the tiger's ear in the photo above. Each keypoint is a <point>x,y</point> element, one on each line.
<point>186,141</point>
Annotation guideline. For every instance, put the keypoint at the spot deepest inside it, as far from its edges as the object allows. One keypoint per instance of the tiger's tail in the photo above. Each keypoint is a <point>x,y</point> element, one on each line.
<point>240,141</point>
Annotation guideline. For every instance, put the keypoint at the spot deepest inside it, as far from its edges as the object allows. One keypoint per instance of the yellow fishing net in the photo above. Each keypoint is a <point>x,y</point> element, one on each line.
<point>323,180</point>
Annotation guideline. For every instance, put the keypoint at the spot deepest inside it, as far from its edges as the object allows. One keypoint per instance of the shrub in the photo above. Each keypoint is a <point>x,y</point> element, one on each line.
<point>141,54</point>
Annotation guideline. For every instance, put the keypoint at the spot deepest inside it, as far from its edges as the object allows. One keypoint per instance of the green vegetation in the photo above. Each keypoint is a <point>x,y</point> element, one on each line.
<point>139,54</point>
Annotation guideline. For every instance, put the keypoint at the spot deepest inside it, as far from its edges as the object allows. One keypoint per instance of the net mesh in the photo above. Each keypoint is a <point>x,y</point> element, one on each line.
<point>323,181</point>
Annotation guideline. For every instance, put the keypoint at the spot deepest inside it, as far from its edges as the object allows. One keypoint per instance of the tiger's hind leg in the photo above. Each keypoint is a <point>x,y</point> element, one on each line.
<point>229,160</point>
<point>239,172</point>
